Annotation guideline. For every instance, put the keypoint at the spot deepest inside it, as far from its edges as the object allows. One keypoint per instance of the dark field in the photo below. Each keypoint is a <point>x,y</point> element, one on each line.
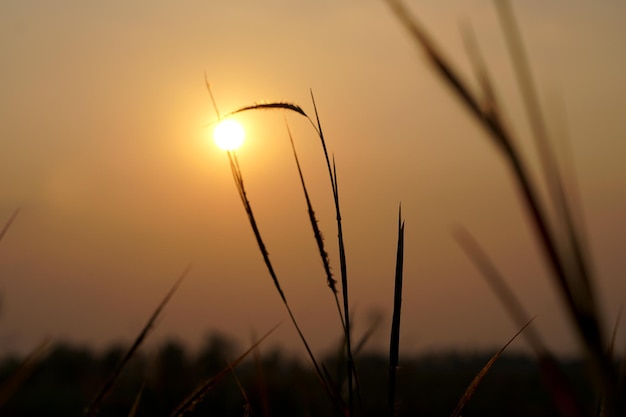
<point>69,377</point>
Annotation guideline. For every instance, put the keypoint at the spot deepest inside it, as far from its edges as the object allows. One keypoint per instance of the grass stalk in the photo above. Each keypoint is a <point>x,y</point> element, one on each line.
<point>394,345</point>
<point>564,258</point>
<point>332,171</point>
<point>135,407</point>
<point>317,234</point>
<point>471,389</point>
<point>546,154</point>
<point>342,260</point>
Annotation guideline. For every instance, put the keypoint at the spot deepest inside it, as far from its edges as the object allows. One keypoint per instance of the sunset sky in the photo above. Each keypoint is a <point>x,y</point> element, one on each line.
<point>105,146</point>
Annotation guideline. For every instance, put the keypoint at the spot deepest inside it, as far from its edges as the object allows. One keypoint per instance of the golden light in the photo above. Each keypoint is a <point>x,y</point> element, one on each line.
<point>228,135</point>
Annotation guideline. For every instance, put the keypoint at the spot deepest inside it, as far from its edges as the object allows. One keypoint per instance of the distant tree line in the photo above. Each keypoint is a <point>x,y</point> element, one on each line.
<point>273,384</point>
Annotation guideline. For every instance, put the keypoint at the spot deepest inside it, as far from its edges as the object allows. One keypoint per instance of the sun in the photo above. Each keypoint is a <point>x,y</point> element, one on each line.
<point>228,135</point>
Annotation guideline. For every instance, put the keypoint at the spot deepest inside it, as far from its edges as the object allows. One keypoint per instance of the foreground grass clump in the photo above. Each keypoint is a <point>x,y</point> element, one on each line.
<point>218,381</point>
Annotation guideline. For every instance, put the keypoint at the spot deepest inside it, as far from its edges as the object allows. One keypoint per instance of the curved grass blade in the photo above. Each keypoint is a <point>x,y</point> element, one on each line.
<point>394,346</point>
<point>471,389</point>
<point>106,389</point>
<point>270,105</point>
<point>201,391</point>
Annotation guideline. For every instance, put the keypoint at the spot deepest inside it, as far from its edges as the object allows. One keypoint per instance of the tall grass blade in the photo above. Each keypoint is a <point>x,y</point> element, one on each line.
<point>566,270</point>
<point>614,333</point>
<point>8,223</point>
<point>580,280</point>
<point>394,345</point>
<point>570,184</point>
<point>471,389</point>
<point>106,389</point>
<point>189,403</point>
<point>319,238</point>
<point>571,239</point>
<point>238,177</point>
<point>271,105</point>
<point>502,137</point>
<point>504,140</point>
<point>332,172</point>
<point>540,132</point>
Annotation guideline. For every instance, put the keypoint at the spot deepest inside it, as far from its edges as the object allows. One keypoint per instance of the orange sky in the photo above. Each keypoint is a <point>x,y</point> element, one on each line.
<point>104,147</point>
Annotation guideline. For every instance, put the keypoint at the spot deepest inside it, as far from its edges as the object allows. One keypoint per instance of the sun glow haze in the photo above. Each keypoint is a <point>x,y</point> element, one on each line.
<point>229,135</point>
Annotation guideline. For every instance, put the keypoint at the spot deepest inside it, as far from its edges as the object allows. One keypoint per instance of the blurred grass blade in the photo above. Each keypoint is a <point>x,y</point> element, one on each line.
<point>471,389</point>
<point>367,335</point>
<point>201,391</point>
<point>552,175</point>
<point>490,103</point>
<point>586,311</point>
<point>498,284</point>
<point>567,268</point>
<point>562,393</point>
<point>106,389</point>
<point>449,74</point>
<point>135,407</point>
<point>394,345</point>
<point>8,223</point>
<point>21,374</point>
<point>247,407</point>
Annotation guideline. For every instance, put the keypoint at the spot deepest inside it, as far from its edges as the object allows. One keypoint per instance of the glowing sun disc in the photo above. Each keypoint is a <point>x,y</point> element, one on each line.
<point>228,135</point>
